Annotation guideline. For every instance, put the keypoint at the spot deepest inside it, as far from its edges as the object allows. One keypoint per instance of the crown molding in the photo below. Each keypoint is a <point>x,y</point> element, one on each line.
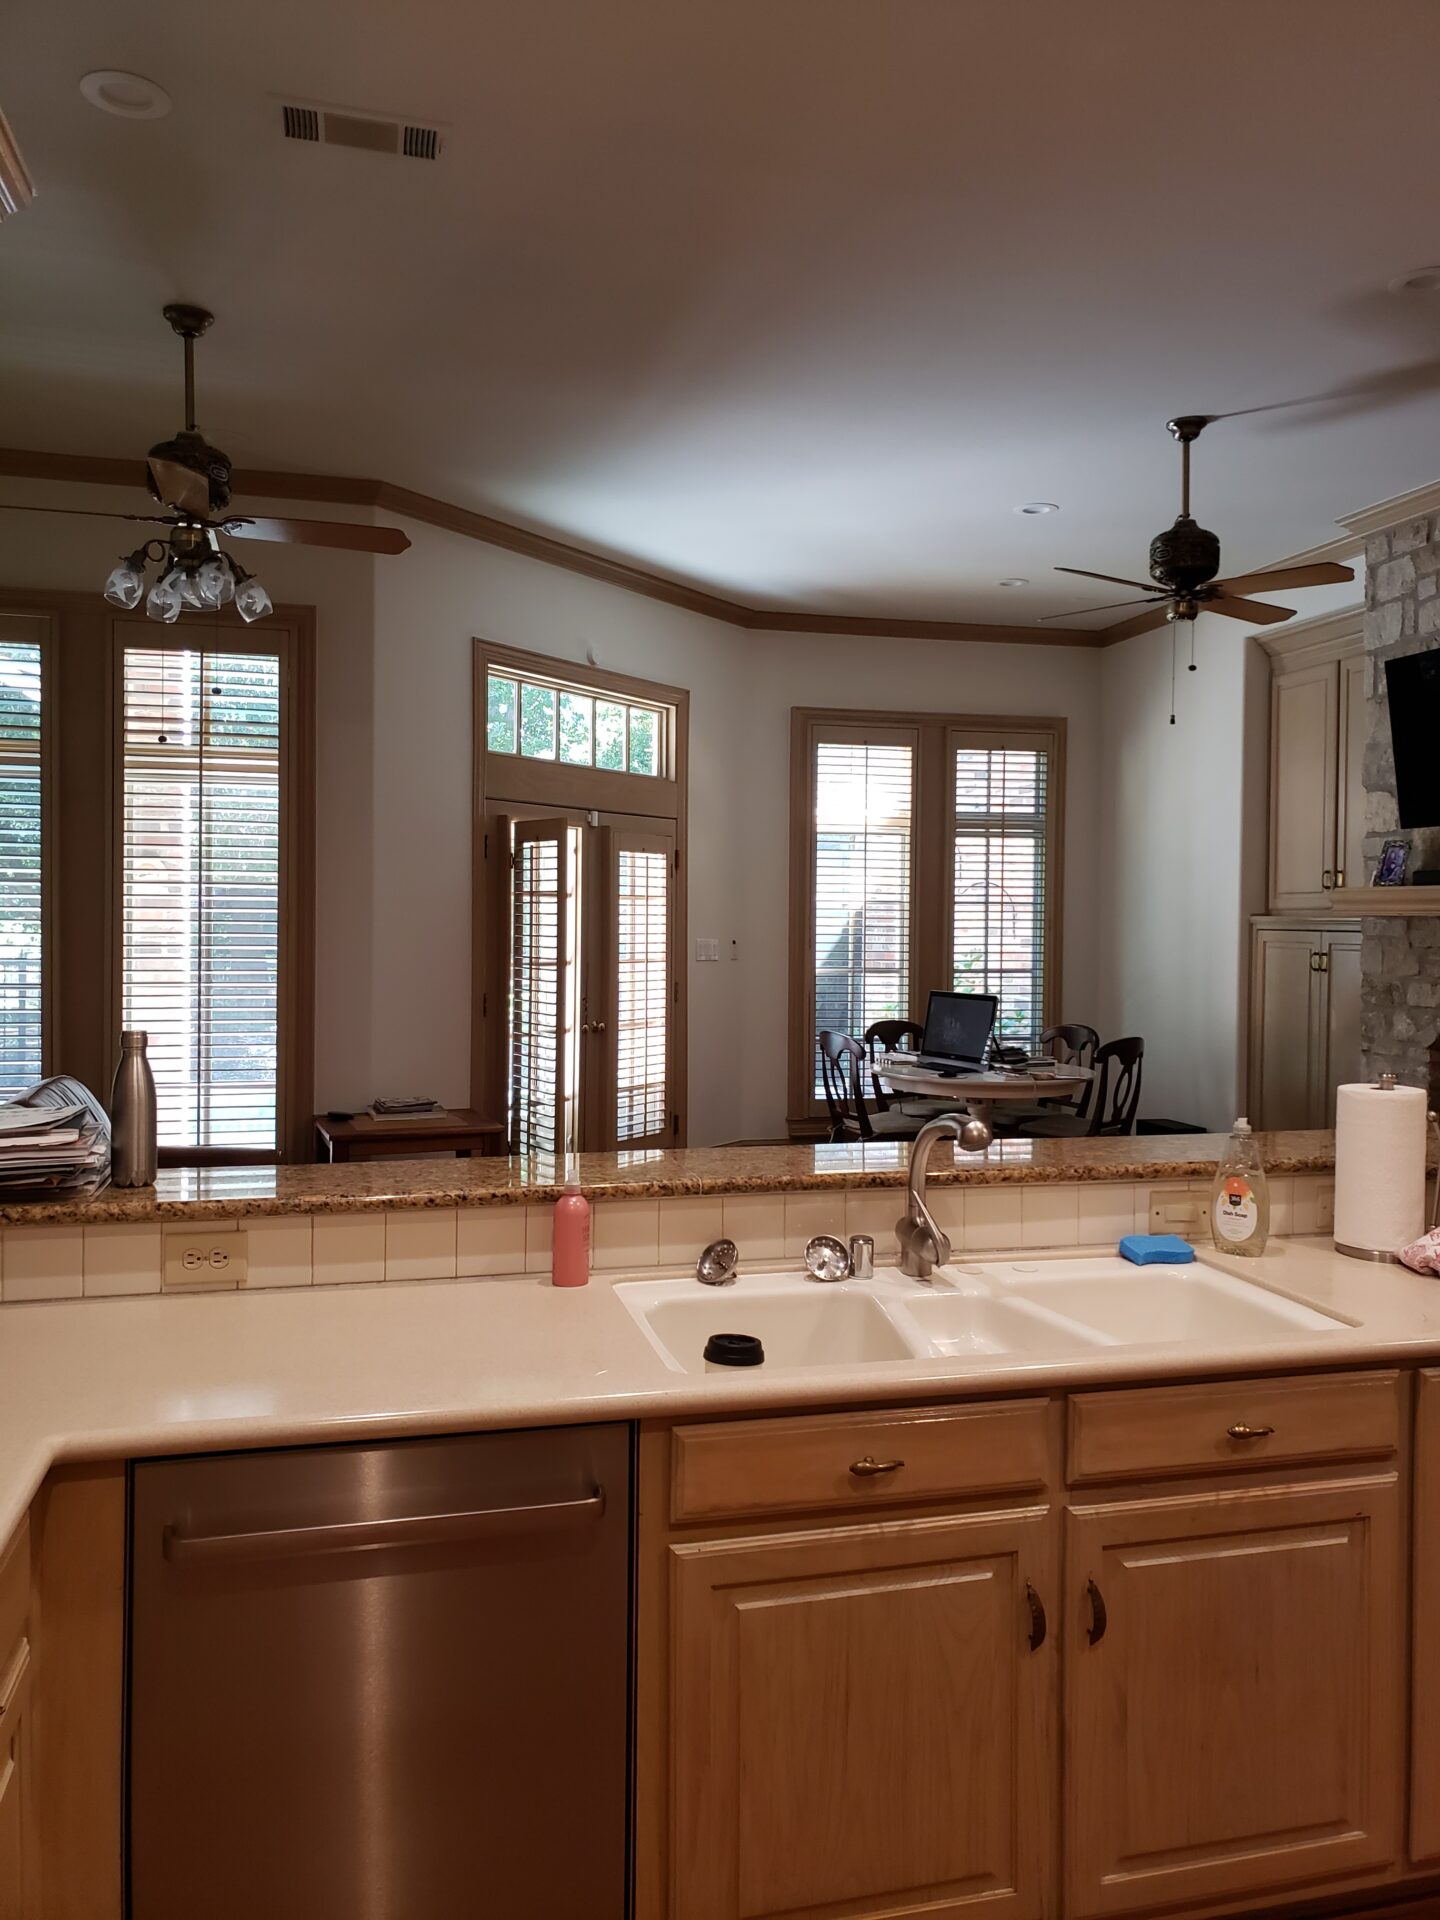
<point>73,469</point>
<point>1323,635</point>
<point>1385,514</point>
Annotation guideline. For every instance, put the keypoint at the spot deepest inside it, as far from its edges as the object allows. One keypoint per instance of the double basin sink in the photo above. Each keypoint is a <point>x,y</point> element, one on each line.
<point>1033,1308</point>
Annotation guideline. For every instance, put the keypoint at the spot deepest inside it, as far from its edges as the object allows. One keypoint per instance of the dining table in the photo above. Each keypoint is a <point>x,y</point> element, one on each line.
<point>977,1092</point>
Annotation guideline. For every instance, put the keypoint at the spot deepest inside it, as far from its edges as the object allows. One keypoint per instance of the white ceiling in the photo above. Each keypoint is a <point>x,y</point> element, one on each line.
<point>793,299</point>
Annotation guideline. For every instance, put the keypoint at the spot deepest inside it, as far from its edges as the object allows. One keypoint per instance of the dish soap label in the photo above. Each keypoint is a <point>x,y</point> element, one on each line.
<point>1240,1197</point>
<point>1236,1214</point>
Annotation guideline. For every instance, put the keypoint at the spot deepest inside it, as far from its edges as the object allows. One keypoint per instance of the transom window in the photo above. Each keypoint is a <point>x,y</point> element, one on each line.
<point>577,726</point>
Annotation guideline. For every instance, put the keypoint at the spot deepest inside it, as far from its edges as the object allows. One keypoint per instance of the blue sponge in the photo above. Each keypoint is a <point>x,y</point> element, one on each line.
<point>1157,1249</point>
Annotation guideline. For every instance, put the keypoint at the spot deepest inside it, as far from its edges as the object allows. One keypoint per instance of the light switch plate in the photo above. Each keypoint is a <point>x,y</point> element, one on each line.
<point>197,1261</point>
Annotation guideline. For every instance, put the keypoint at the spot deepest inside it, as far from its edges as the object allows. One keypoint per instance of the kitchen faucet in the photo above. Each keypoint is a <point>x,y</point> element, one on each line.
<point>923,1245</point>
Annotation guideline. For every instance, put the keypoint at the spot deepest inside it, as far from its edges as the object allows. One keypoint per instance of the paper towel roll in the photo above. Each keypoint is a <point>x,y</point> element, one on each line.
<point>1380,1140</point>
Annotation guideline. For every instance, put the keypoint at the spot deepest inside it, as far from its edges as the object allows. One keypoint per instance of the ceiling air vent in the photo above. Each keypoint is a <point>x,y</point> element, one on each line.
<point>364,130</point>
<point>301,123</point>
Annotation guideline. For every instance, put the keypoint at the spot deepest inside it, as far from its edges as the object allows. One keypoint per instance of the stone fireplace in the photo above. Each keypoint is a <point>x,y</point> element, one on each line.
<point>1400,958</point>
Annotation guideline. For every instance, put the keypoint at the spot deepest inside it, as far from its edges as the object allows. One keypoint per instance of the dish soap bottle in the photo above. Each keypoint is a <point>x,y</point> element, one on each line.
<point>1240,1197</point>
<point>570,1247</point>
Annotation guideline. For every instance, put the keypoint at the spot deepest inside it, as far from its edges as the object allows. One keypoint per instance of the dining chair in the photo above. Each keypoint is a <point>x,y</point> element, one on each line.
<point>1116,1096</point>
<point>887,1036</point>
<point>844,1063</point>
<point>1071,1046</point>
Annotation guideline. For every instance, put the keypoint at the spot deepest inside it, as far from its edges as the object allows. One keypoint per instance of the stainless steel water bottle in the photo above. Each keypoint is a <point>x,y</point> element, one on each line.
<point>132,1115</point>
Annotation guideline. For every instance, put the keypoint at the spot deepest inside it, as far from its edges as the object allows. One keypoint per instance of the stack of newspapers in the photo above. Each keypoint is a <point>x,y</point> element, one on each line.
<point>54,1140</point>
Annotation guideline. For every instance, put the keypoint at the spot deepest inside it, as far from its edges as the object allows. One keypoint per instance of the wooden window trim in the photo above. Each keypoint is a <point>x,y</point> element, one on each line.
<point>85,825</point>
<point>931,866</point>
<point>505,782</point>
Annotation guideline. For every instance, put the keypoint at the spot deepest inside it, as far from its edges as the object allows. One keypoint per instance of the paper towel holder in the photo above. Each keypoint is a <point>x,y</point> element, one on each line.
<point>1385,1083</point>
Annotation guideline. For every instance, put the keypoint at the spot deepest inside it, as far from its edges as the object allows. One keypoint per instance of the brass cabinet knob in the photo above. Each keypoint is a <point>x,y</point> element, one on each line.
<point>1241,1432</point>
<point>867,1468</point>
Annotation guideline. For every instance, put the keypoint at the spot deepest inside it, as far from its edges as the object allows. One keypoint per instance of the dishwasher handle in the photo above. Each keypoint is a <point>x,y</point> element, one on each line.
<point>367,1536</point>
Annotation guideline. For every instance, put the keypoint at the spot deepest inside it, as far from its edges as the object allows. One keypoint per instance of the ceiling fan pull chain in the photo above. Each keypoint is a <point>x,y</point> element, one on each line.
<point>1172,672</point>
<point>1192,646</point>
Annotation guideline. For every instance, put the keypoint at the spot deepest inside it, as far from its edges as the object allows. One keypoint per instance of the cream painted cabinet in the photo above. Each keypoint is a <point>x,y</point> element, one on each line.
<point>863,1720</point>
<point>1318,726</point>
<point>1304,1020</point>
<point>1232,1676</point>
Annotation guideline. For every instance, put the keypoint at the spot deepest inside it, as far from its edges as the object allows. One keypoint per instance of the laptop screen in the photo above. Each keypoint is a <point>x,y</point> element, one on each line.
<point>959,1025</point>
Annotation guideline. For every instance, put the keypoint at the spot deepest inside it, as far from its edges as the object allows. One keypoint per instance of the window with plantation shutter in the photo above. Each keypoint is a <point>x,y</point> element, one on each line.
<point>543,987</point>
<point>201,888</point>
<point>21,881</point>
<point>923,858</point>
<point>999,881</point>
<point>642,988</point>
<point>861,883</point>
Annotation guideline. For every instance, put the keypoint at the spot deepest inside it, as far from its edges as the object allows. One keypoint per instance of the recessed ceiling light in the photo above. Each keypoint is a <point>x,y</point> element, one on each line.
<point>1038,506</point>
<point>129,95</point>
<point>1016,582</point>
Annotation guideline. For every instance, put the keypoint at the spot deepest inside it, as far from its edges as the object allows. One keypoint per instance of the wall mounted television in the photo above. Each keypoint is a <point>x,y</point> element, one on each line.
<point>1412,689</point>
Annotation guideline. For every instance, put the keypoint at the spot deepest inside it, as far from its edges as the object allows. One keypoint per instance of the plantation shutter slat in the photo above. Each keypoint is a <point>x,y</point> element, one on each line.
<point>200,888</point>
<point>21,1003</point>
<point>998,930</point>
<point>640,867</point>
<point>541,987</point>
<point>861,876</point>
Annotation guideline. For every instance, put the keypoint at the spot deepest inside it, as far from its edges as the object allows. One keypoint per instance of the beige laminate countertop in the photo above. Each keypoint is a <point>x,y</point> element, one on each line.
<point>182,1373</point>
<point>224,1193</point>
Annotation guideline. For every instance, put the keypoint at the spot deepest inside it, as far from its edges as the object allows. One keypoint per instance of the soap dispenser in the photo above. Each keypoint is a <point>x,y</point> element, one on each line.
<point>1240,1197</point>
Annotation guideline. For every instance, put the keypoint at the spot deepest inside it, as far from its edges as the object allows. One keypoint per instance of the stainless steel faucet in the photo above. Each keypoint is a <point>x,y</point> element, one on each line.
<point>923,1246</point>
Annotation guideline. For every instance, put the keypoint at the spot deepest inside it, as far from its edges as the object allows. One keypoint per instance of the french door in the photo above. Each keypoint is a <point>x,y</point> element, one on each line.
<point>592,982</point>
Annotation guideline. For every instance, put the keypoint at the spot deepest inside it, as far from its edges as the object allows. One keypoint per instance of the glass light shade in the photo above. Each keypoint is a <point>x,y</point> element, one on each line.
<point>163,602</point>
<point>125,585</point>
<point>189,590</point>
<point>213,582</point>
<point>252,602</point>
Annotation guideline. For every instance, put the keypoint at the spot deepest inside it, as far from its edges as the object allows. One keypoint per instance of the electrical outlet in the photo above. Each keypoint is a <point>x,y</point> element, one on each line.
<point>1182,1210</point>
<point>198,1261</point>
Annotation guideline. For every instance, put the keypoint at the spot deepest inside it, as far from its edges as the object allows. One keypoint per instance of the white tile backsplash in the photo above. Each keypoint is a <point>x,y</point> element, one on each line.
<point>121,1258</point>
<point>278,1251</point>
<point>44,1263</point>
<point>992,1218</point>
<point>875,1210</point>
<point>624,1233</point>
<point>688,1224</point>
<point>807,1214</point>
<point>490,1240</point>
<point>756,1223</point>
<point>348,1248</point>
<point>540,1235</point>
<point>420,1244</point>
<point>1049,1217</point>
<point>1104,1214</point>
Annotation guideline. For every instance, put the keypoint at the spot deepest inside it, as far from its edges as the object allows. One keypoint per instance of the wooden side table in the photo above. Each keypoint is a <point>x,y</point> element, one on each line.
<point>460,1131</point>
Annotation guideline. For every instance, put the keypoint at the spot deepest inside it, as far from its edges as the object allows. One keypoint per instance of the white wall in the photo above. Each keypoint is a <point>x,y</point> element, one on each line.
<point>1152,814</point>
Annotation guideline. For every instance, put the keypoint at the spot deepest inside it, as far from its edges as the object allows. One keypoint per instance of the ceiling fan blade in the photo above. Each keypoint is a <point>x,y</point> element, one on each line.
<point>89,513</point>
<point>1115,579</point>
<point>1109,607</point>
<point>1258,611</point>
<point>178,487</point>
<point>318,533</point>
<point>1321,573</point>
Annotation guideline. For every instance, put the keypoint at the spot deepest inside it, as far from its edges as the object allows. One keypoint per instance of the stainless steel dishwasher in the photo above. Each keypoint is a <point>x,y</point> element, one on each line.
<point>382,1682</point>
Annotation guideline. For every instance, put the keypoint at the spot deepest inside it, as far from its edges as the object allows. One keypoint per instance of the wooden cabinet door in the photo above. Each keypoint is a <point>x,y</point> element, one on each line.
<point>1354,728</point>
<point>1304,722</point>
<point>1425,1629</point>
<point>17,1894</point>
<point>863,1721</point>
<point>1233,1664</point>
<point>1342,1060</point>
<point>1283,1008</point>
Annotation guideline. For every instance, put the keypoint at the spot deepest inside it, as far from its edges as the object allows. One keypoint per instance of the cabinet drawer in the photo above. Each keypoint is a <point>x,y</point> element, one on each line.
<point>14,1591</point>
<point>1241,1423</point>
<point>857,1460</point>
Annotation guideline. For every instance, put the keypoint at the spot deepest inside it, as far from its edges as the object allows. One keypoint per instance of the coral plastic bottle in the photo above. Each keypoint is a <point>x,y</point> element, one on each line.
<point>570,1252</point>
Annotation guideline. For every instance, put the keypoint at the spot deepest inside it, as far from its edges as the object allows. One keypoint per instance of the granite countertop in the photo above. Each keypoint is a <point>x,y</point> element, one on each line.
<point>222,1193</point>
<point>111,1380</point>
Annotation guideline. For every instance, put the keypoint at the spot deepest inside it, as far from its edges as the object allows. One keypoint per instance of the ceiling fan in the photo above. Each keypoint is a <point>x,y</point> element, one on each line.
<point>192,478</point>
<point>1185,559</point>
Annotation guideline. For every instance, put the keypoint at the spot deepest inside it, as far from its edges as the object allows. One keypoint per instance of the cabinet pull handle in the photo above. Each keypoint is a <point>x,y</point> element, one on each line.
<point>1241,1432</point>
<point>1099,1618</point>
<point>867,1468</point>
<point>1327,880</point>
<point>1037,1618</point>
<point>1314,963</point>
<point>1339,876</point>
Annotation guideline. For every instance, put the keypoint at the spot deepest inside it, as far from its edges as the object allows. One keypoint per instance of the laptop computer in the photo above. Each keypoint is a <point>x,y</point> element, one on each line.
<point>957,1033</point>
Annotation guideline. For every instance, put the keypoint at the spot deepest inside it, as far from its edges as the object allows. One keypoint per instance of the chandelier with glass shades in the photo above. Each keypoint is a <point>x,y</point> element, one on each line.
<point>193,572</point>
